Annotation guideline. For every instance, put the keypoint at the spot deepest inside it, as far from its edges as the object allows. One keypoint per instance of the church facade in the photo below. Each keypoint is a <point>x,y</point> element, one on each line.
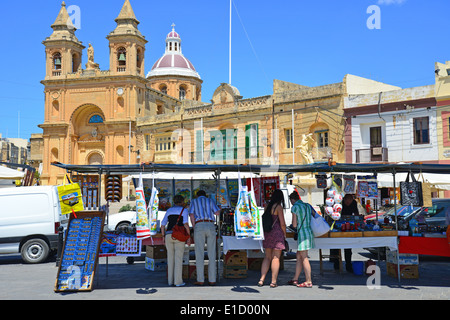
<point>125,116</point>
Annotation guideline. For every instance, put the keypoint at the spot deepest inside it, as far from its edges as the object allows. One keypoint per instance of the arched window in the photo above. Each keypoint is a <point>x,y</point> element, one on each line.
<point>182,93</point>
<point>57,61</point>
<point>139,58</point>
<point>121,59</point>
<point>96,119</point>
<point>75,62</point>
<point>163,88</point>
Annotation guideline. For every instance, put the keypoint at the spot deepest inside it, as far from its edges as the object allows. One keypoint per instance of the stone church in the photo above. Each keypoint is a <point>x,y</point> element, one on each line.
<point>125,116</point>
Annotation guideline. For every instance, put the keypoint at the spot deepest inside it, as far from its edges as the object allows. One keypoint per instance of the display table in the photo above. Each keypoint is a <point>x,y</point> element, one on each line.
<point>353,243</point>
<point>232,243</point>
<point>424,245</point>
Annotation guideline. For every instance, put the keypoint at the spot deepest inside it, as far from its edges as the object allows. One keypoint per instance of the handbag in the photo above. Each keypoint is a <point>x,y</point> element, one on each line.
<point>426,191</point>
<point>318,225</point>
<point>411,192</point>
<point>179,232</point>
<point>70,197</point>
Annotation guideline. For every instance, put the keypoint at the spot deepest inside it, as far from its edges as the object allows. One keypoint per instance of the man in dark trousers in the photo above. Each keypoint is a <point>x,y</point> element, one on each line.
<point>349,208</point>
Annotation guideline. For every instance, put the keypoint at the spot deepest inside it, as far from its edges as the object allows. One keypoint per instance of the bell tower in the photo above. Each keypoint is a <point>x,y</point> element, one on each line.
<point>127,44</point>
<point>63,49</point>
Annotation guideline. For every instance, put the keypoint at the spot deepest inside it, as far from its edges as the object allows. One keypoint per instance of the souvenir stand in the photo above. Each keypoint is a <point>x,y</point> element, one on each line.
<point>330,240</point>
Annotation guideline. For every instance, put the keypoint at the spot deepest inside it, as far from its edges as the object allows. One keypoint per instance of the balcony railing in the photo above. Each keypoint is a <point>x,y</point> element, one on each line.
<point>376,154</point>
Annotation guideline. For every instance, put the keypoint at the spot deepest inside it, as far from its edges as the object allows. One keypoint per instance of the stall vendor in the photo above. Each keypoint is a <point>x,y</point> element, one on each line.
<point>349,208</point>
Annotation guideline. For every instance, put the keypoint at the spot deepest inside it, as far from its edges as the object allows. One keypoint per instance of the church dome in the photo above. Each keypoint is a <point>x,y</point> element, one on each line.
<point>173,62</point>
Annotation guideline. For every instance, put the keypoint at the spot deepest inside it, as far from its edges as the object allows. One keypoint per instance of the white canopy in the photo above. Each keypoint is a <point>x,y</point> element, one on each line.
<point>439,181</point>
<point>10,174</point>
<point>190,175</point>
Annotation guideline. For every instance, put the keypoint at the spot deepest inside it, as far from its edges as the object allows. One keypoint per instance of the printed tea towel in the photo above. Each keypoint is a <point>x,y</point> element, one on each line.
<point>247,217</point>
<point>142,226</point>
<point>153,211</point>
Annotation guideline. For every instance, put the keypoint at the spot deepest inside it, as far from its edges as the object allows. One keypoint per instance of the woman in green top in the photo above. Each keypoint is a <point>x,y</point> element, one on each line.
<point>302,215</point>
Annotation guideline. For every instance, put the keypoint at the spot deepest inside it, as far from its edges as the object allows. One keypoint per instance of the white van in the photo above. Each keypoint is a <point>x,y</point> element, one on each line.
<point>29,222</point>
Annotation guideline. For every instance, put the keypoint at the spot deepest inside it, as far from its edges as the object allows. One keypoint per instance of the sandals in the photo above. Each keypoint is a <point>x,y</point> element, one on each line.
<point>272,285</point>
<point>305,285</point>
<point>293,282</point>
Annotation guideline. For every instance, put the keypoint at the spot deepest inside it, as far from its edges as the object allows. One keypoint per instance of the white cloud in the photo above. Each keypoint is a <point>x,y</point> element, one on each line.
<point>389,2</point>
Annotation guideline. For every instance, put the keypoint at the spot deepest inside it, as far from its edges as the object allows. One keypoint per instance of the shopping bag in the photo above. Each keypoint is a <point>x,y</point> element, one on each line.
<point>318,224</point>
<point>70,197</point>
<point>179,232</point>
<point>426,191</point>
<point>411,193</point>
<point>142,226</point>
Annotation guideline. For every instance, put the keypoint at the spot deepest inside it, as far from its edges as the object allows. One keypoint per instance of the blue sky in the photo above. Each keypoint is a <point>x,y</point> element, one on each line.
<point>306,42</point>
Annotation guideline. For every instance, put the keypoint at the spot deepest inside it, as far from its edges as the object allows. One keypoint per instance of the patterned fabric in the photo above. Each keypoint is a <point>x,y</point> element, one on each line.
<point>203,208</point>
<point>305,234</point>
<point>275,238</point>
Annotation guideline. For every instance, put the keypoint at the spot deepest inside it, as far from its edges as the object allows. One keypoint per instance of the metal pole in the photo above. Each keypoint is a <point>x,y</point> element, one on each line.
<point>396,225</point>
<point>231,20</point>
<point>293,139</point>
<point>219,233</point>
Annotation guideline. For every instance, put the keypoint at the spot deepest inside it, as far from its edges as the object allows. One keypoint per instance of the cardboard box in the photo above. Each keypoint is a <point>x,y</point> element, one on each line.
<point>190,272</point>
<point>254,264</point>
<point>235,272</point>
<point>406,271</point>
<point>155,264</point>
<point>156,252</point>
<point>236,258</point>
<point>404,258</point>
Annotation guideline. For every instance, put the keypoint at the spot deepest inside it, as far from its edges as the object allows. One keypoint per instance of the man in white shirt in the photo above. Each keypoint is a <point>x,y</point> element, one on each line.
<point>202,213</point>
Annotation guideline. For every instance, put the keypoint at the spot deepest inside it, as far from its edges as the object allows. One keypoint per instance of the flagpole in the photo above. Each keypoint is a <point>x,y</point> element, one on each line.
<point>231,8</point>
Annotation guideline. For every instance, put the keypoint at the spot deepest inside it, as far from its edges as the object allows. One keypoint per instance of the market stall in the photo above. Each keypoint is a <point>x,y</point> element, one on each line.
<point>233,242</point>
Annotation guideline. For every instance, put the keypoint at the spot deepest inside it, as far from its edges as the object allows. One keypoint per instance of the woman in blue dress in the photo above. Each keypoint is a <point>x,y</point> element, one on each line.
<point>302,222</point>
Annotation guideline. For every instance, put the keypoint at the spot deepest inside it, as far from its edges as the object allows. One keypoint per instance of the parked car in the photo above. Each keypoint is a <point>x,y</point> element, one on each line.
<point>121,219</point>
<point>30,218</point>
<point>434,217</point>
<point>404,214</point>
<point>125,219</point>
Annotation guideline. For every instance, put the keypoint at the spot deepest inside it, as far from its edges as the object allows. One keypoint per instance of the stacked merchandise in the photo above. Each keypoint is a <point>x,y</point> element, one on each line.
<point>156,258</point>
<point>334,203</point>
<point>235,265</point>
<point>409,265</point>
<point>255,259</point>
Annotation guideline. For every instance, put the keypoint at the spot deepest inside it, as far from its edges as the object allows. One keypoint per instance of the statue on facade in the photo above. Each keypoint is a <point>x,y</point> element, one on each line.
<point>91,64</point>
<point>305,147</point>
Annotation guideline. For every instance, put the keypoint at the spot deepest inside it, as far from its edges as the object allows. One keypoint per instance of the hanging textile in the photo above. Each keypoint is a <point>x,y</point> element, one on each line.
<point>142,226</point>
<point>247,217</point>
<point>153,211</point>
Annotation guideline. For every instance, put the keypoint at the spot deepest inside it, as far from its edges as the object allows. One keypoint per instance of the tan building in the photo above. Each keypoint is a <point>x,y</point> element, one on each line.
<point>122,116</point>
